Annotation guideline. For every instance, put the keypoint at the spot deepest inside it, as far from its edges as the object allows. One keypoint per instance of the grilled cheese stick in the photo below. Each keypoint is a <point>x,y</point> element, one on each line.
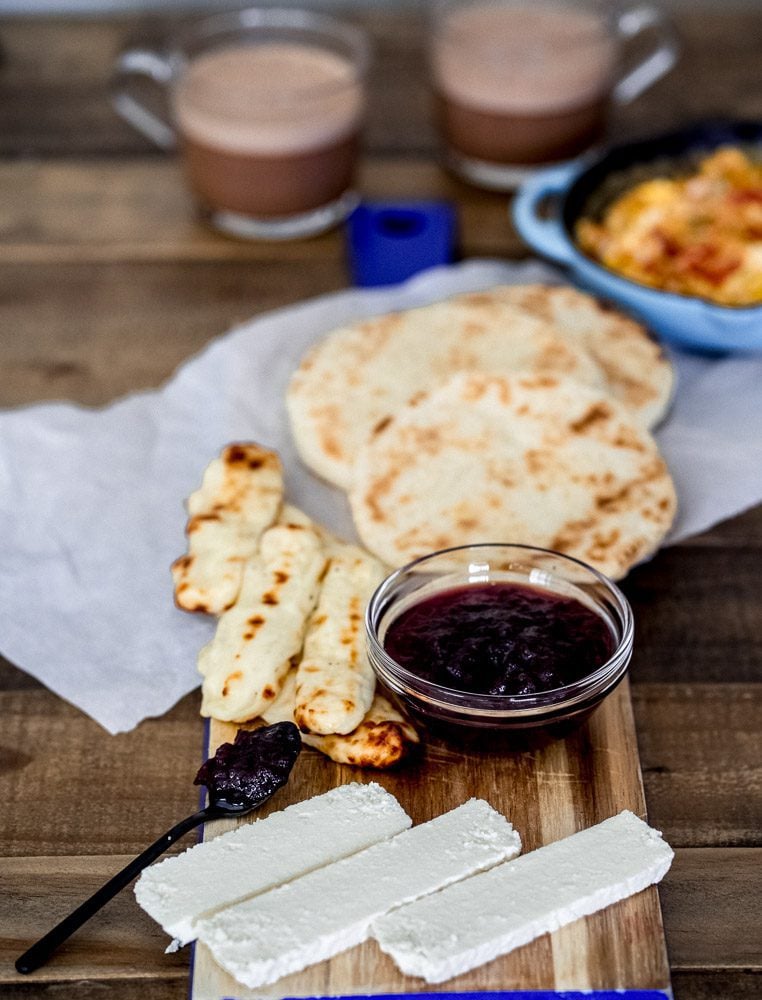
<point>247,660</point>
<point>335,682</point>
<point>383,739</point>
<point>240,496</point>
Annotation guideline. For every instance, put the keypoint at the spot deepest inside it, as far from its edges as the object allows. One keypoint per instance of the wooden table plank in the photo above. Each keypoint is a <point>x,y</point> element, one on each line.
<point>68,788</point>
<point>741,532</point>
<point>54,94</point>
<point>123,943</point>
<point>701,756</point>
<point>115,328</point>
<point>104,210</point>
<point>732,938</point>
<point>702,770</point>
<point>695,609</point>
<point>107,282</point>
<point>711,984</point>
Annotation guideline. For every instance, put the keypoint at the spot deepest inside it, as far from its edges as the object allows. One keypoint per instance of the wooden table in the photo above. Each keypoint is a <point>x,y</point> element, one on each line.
<point>106,284</point>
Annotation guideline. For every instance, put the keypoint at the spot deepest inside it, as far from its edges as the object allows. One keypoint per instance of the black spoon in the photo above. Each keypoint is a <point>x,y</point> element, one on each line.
<point>240,777</point>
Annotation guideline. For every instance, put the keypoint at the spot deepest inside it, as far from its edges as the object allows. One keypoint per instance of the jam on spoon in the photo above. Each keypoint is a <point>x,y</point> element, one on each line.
<point>240,777</point>
<point>499,639</point>
<point>244,774</point>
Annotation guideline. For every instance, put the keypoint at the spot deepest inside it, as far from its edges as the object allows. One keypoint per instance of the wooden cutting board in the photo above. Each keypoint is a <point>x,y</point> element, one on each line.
<point>547,794</point>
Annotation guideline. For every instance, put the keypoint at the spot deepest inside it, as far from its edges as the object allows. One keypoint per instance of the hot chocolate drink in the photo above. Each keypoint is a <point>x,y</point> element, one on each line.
<point>522,84</point>
<point>270,129</point>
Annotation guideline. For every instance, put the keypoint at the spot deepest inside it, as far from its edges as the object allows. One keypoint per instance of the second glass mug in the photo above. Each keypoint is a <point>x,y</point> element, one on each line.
<point>520,84</point>
<point>266,109</point>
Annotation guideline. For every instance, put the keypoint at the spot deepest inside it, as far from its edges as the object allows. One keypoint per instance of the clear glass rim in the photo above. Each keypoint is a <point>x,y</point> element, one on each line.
<point>440,11</point>
<point>498,705</point>
<point>249,19</point>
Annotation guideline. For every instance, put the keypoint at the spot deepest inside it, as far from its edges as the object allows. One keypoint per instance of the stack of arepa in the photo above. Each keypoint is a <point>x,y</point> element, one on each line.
<point>520,414</point>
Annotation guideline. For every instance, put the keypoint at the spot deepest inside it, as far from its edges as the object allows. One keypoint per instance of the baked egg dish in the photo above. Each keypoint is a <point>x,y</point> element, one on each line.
<point>698,234</point>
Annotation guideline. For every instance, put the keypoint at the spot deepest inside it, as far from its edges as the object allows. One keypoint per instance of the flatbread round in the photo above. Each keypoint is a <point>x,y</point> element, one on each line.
<point>538,460</point>
<point>637,371</point>
<point>360,374</point>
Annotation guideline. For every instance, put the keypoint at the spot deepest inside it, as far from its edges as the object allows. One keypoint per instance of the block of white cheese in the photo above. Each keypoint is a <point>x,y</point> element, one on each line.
<point>331,909</point>
<point>490,914</point>
<point>255,857</point>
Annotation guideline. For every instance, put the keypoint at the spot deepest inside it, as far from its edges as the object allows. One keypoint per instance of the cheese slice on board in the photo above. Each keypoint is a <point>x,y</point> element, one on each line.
<point>471,923</point>
<point>331,909</point>
<point>180,890</point>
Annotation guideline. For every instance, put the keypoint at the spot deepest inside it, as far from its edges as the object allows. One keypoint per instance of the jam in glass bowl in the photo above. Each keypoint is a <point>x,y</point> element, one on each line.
<point>499,637</point>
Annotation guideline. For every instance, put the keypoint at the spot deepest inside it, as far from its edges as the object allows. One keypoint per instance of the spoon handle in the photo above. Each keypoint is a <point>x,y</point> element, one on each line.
<point>40,952</point>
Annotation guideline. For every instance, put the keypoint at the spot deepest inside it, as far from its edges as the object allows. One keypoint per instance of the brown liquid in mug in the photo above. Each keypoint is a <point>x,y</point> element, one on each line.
<point>520,139</point>
<point>269,129</point>
<point>269,185</point>
<point>517,85</point>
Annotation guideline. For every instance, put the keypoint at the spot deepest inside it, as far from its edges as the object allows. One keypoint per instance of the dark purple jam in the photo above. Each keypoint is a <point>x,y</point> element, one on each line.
<point>499,638</point>
<point>246,773</point>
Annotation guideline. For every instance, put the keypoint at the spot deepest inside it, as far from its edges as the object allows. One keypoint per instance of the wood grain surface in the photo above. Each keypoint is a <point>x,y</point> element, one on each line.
<point>547,793</point>
<point>55,99</point>
<point>107,282</point>
<point>36,891</point>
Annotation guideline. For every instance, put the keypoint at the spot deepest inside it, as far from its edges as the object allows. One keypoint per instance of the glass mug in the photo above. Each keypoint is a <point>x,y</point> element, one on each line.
<point>266,110</point>
<point>523,84</point>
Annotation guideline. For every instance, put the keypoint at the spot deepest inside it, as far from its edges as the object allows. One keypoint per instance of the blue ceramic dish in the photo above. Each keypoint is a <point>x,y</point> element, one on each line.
<point>581,187</point>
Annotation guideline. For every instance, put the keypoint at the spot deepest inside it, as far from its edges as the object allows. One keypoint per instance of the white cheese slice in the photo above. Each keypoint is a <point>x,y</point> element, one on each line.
<point>331,909</point>
<point>490,914</point>
<point>178,891</point>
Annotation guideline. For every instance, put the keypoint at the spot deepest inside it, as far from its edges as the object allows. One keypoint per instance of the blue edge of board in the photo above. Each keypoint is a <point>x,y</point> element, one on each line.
<point>665,994</point>
<point>505,995</point>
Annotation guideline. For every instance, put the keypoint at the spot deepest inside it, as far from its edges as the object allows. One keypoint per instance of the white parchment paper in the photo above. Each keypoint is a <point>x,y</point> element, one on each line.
<point>91,501</point>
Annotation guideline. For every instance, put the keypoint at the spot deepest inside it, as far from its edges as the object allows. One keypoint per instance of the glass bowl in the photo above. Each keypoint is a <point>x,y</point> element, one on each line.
<point>551,713</point>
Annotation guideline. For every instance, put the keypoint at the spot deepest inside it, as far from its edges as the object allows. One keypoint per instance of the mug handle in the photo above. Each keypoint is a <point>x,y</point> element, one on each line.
<point>631,23</point>
<point>545,235</point>
<point>156,67</point>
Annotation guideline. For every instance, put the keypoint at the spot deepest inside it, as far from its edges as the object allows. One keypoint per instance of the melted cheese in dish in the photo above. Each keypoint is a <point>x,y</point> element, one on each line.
<point>698,235</point>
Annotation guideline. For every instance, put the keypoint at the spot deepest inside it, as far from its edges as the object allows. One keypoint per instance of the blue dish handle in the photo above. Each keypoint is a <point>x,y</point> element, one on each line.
<point>546,236</point>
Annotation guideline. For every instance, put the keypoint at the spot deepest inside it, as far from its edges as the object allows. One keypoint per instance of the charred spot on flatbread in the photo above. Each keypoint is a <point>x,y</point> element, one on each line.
<point>353,382</point>
<point>539,460</point>
<point>637,370</point>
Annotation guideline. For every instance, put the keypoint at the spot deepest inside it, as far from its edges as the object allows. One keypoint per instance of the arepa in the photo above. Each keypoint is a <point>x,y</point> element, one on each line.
<point>637,371</point>
<point>538,460</point>
<point>359,375</point>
